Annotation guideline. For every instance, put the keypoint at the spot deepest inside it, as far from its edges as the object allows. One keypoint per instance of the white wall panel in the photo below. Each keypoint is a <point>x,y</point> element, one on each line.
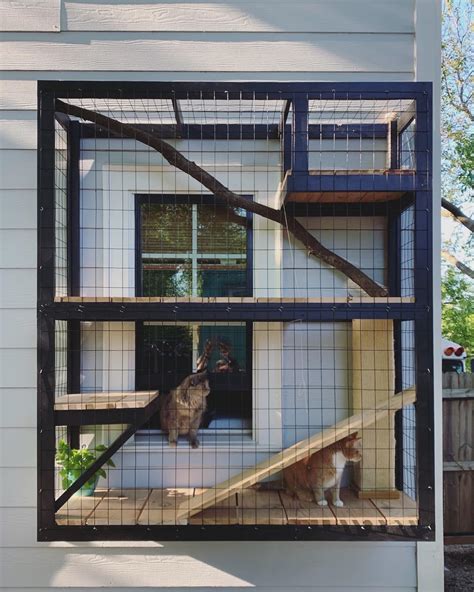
<point>229,565</point>
<point>18,169</point>
<point>18,328</point>
<point>18,368</point>
<point>318,52</point>
<point>18,130</point>
<point>18,248</point>
<point>18,209</point>
<point>40,15</point>
<point>18,447</point>
<point>17,94</point>
<point>17,489</point>
<point>342,16</point>
<point>18,288</point>
<point>17,407</point>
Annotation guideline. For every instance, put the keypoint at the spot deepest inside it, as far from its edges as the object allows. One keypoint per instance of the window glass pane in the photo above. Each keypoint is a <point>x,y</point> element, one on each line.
<point>221,230</point>
<point>167,277</point>
<point>407,147</point>
<point>170,353</point>
<point>193,250</point>
<point>166,228</point>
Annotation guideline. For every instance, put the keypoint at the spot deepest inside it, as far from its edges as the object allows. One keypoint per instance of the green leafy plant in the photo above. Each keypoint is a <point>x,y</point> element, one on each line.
<point>74,462</point>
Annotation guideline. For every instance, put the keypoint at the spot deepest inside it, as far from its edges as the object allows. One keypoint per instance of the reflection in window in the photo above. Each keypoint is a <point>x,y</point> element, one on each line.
<point>193,249</point>
<point>407,147</point>
<point>170,352</point>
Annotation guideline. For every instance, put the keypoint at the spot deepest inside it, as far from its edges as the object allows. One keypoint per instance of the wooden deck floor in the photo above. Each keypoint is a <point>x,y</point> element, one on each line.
<point>251,506</point>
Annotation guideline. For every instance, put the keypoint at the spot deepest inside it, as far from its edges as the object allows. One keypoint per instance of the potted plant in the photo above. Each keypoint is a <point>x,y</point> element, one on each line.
<point>74,462</point>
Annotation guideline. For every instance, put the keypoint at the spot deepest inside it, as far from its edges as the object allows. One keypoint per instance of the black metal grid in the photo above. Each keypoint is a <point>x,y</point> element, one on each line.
<point>418,262</point>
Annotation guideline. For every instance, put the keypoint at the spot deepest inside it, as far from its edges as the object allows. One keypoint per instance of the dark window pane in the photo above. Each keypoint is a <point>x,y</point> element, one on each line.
<point>167,277</point>
<point>168,358</point>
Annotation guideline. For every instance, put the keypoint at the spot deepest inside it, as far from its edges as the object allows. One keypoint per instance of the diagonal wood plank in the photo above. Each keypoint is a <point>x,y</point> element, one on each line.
<point>293,454</point>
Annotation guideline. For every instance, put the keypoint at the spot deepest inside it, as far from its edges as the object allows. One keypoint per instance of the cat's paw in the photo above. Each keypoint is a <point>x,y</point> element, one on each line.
<point>339,503</point>
<point>322,503</point>
<point>173,443</point>
<point>195,444</point>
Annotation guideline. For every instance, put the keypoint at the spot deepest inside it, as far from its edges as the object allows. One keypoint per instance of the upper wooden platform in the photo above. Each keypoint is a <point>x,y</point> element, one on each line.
<point>347,186</point>
<point>237,300</point>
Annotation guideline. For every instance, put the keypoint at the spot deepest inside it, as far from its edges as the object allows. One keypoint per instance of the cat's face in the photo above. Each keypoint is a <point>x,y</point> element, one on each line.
<point>199,385</point>
<point>352,449</point>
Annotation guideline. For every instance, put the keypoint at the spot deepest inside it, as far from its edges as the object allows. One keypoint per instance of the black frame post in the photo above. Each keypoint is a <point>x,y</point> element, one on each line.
<point>45,323</point>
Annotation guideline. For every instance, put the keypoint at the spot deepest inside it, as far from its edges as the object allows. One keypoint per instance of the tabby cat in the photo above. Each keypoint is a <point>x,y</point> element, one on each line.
<point>182,409</point>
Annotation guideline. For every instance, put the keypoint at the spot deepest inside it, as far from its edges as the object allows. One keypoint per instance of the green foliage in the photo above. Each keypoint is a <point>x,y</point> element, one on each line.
<point>458,310</point>
<point>74,462</point>
<point>465,158</point>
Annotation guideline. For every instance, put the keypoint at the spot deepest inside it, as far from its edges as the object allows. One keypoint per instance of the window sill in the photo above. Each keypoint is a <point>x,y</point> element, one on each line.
<point>209,440</point>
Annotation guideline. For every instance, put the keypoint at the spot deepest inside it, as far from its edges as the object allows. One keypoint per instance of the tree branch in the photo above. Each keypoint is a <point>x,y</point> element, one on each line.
<point>452,260</point>
<point>176,159</point>
<point>458,214</point>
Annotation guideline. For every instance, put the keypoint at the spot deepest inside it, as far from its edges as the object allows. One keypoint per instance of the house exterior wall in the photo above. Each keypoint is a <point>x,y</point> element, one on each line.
<point>314,40</point>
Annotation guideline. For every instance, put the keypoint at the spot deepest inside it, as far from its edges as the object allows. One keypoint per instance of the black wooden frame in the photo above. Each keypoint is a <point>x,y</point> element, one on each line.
<point>420,311</point>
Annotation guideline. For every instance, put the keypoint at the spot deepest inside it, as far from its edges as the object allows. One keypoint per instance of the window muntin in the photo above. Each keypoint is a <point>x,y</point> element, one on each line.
<point>193,249</point>
<point>168,352</point>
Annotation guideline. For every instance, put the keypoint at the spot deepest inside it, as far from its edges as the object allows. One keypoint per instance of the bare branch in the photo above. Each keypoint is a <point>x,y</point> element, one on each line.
<point>176,159</point>
<point>454,261</point>
<point>458,214</point>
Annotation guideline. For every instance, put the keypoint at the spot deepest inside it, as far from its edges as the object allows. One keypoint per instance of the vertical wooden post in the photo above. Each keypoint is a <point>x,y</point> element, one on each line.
<point>373,382</point>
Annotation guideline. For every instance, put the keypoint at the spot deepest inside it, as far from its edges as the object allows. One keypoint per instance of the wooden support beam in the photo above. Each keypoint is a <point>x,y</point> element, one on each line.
<point>295,453</point>
<point>373,381</point>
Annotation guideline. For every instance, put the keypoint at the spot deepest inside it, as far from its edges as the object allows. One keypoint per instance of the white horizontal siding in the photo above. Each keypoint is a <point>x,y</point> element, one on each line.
<point>14,455</point>
<point>18,209</point>
<point>18,367</point>
<point>17,490</point>
<point>18,328</point>
<point>17,407</point>
<point>39,15</point>
<point>174,52</point>
<point>18,169</point>
<point>18,288</point>
<point>197,565</point>
<point>18,130</point>
<point>299,16</point>
<point>11,257</point>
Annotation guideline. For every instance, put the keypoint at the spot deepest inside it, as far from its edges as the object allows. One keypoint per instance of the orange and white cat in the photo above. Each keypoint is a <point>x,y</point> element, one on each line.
<point>309,478</point>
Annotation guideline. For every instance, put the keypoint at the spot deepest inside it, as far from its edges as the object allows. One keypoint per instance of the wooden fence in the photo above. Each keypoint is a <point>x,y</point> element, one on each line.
<point>458,453</point>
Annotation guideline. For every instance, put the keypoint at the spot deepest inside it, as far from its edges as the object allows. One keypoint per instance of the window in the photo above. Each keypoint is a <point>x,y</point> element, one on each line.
<point>168,352</point>
<point>191,246</point>
<point>407,146</point>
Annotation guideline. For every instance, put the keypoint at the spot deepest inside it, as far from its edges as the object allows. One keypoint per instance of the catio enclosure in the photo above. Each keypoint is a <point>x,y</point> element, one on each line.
<point>248,264</point>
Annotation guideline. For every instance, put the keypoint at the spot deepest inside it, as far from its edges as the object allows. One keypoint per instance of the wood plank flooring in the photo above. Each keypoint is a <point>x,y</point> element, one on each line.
<point>249,506</point>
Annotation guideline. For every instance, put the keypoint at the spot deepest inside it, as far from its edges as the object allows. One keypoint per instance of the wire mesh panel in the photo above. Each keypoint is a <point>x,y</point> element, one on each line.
<point>238,305</point>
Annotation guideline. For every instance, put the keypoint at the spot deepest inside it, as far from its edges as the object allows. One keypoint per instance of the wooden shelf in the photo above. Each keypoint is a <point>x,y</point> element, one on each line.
<point>112,400</point>
<point>347,186</point>
<point>235,300</point>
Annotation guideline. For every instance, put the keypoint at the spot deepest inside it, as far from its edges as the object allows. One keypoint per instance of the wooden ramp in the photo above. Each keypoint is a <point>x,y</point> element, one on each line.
<point>287,457</point>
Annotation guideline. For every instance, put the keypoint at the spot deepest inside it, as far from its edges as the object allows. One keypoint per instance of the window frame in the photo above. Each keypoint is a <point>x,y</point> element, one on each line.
<point>179,198</point>
<point>139,378</point>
